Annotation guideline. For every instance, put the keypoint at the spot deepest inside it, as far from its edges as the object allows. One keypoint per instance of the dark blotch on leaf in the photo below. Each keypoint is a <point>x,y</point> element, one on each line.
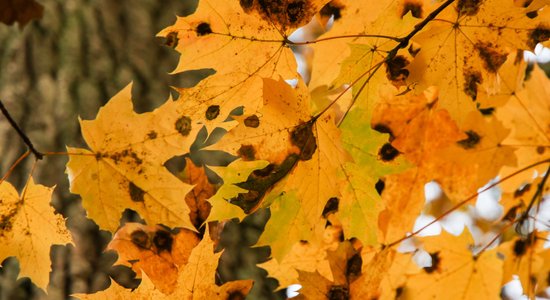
<point>203,29</point>
<point>183,125</point>
<point>383,128</point>
<point>252,121</point>
<point>140,238</point>
<point>331,9</point>
<point>471,80</point>
<point>468,7</point>
<point>331,206</point>
<point>387,152</point>
<point>537,35</point>
<point>399,292</point>
<point>379,186</point>
<point>471,141</point>
<point>338,292</point>
<point>492,58</point>
<point>435,263</point>
<point>414,7</point>
<point>163,240</point>
<point>395,69</point>
<point>303,138</point>
<point>520,247</point>
<point>152,135</point>
<point>246,4</point>
<point>353,266</point>
<point>295,11</point>
<point>540,150</point>
<point>212,112</point>
<point>247,152</point>
<point>261,181</point>
<point>532,14</point>
<point>172,39</point>
<point>136,194</point>
<point>487,111</point>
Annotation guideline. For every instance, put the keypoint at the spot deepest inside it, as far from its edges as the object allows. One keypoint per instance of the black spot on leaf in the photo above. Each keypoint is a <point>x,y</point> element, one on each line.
<point>540,150</point>
<point>332,9</point>
<point>303,138</point>
<point>136,194</point>
<point>487,111</point>
<point>152,135</point>
<point>491,56</point>
<point>435,263</point>
<point>183,125</point>
<point>412,6</point>
<point>203,29</point>
<point>338,292</point>
<point>247,152</point>
<point>471,80</point>
<point>520,247</point>
<point>331,206</point>
<point>294,11</point>
<point>212,112</point>
<point>140,238</point>
<point>471,141</point>
<point>383,128</point>
<point>537,35</point>
<point>163,240</point>
<point>379,186</point>
<point>387,152</point>
<point>246,4</point>
<point>395,70</point>
<point>283,14</point>
<point>353,266</point>
<point>468,7</point>
<point>252,121</point>
<point>532,14</point>
<point>399,292</point>
<point>172,39</point>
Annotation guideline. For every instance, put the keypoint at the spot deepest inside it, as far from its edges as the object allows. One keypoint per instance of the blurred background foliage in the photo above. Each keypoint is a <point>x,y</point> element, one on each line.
<point>69,63</point>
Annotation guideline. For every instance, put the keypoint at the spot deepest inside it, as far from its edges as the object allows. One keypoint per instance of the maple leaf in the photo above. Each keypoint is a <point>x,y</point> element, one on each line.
<point>455,271</point>
<point>124,169</point>
<point>196,280</point>
<point>29,228</point>
<point>203,189</point>
<point>467,44</point>
<point>297,147</point>
<point>525,257</point>
<point>252,33</point>
<point>154,250</point>
<point>21,11</point>
<point>528,113</point>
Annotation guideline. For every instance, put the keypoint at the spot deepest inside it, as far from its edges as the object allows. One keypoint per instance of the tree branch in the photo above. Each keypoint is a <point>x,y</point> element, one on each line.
<point>22,134</point>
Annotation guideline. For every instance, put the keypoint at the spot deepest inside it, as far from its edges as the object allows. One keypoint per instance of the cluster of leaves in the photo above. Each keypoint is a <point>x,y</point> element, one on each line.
<point>398,94</point>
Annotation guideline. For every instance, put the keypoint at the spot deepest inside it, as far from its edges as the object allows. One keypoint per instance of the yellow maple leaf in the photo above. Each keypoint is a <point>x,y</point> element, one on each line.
<point>455,272</point>
<point>196,280</point>
<point>467,44</point>
<point>124,168</point>
<point>155,251</point>
<point>253,34</point>
<point>29,228</point>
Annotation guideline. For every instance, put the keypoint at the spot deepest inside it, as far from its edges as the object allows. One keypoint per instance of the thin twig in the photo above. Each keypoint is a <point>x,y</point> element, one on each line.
<point>505,178</point>
<point>22,134</point>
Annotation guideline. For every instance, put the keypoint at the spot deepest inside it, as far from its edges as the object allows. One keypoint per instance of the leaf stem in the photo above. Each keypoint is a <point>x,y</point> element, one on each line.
<point>19,131</point>
<point>10,170</point>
